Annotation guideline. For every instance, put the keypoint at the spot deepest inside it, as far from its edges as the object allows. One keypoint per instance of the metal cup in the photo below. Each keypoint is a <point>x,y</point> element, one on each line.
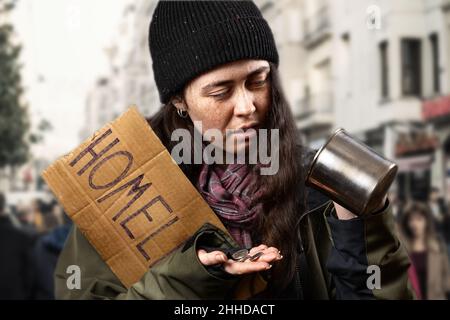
<point>351,173</point>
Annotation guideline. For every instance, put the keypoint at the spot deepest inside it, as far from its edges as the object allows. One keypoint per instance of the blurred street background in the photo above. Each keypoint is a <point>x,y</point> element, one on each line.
<point>378,68</point>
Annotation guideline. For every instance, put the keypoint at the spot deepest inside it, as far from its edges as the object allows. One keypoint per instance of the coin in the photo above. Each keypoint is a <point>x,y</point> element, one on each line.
<point>240,254</point>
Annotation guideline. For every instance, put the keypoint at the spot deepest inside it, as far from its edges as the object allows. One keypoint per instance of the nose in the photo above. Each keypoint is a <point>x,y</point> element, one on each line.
<point>244,105</point>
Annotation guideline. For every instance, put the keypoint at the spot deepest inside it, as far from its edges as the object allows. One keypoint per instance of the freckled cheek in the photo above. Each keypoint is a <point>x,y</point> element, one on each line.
<point>212,117</point>
<point>215,122</point>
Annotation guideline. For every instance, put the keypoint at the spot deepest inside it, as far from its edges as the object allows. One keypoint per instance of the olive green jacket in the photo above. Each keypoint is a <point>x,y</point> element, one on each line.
<point>337,255</point>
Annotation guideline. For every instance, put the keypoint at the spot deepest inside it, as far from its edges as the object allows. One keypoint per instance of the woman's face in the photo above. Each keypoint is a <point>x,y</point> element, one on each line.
<point>233,96</point>
<point>417,224</point>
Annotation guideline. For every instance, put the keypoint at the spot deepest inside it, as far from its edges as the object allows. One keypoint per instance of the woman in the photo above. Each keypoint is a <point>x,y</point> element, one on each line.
<point>215,65</point>
<point>428,255</point>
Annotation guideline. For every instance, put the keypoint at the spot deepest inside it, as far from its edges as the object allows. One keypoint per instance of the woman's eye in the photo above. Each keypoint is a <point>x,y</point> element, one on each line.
<point>259,83</point>
<point>220,95</point>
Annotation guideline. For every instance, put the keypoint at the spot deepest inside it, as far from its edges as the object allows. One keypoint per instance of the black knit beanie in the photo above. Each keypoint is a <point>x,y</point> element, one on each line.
<point>188,38</point>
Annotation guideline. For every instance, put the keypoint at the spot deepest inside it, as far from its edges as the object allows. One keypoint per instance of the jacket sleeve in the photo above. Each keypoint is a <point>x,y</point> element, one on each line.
<point>367,260</point>
<point>180,275</point>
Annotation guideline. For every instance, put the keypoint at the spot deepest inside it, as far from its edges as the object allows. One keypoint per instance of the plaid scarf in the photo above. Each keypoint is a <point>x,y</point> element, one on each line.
<point>233,194</point>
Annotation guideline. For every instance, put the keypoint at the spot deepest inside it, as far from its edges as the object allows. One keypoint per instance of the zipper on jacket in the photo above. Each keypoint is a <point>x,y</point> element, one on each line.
<point>298,281</point>
<point>298,269</point>
<point>302,255</point>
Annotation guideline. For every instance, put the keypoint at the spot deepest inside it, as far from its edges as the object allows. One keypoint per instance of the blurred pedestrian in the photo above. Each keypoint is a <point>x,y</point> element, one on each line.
<point>47,250</point>
<point>39,210</point>
<point>438,208</point>
<point>52,218</point>
<point>446,226</point>
<point>26,216</point>
<point>17,272</point>
<point>427,252</point>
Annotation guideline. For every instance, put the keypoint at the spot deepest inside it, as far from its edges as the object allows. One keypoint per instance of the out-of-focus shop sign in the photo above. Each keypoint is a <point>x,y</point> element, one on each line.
<point>414,143</point>
<point>418,163</point>
<point>436,108</point>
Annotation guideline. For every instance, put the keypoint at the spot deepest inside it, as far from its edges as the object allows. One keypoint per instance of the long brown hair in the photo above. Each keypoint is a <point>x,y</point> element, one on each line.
<point>283,199</point>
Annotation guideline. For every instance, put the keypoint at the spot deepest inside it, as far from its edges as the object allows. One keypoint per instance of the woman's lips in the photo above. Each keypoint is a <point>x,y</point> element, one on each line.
<point>245,131</point>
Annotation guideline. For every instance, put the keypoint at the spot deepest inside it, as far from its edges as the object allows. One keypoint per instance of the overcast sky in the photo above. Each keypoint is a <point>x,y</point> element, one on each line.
<point>63,55</point>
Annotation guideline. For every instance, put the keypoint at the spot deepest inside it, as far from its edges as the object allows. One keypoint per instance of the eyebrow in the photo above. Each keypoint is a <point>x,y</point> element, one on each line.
<point>227,82</point>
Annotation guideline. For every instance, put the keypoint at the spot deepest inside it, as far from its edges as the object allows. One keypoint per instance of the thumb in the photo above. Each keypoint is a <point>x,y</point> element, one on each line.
<point>211,258</point>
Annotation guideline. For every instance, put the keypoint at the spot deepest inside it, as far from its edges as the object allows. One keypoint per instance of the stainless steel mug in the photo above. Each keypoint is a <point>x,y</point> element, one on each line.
<point>351,173</point>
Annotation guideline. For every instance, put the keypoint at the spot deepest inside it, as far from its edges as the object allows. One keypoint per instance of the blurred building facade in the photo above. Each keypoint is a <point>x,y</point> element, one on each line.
<point>380,69</point>
<point>130,81</point>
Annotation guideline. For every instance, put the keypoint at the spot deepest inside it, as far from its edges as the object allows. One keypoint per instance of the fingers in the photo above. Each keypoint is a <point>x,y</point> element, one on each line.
<point>254,250</point>
<point>211,258</point>
<point>238,268</point>
<point>264,262</point>
<point>270,254</point>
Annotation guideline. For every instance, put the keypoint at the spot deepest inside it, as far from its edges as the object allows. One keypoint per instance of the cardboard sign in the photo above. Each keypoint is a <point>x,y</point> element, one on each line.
<point>129,198</point>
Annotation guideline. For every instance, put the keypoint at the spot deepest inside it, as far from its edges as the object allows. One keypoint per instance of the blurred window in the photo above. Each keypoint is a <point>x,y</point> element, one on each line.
<point>411,67</point>
<point>434,42</point>
<point>384,69</point>
<point>414,184</point>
